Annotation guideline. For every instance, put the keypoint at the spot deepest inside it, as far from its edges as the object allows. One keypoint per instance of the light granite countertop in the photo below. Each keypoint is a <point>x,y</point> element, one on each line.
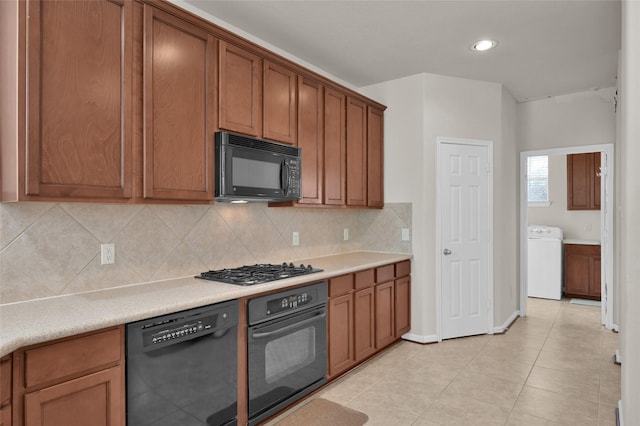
<point>583,242</point>
<point>41,320</point>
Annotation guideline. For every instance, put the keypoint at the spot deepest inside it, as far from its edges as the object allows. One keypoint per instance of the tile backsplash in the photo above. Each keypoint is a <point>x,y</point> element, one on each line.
<point>49,249</point>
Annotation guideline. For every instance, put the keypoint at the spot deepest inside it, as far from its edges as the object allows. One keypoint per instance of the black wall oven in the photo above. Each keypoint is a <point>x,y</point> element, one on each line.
<point>181,368</point>
<point>287,348</point>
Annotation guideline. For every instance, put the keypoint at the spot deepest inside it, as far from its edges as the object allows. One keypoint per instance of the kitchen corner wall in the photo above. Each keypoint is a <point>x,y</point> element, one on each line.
<point>50,249</point>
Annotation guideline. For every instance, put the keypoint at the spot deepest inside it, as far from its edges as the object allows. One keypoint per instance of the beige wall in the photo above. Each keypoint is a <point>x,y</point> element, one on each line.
<point>48,249</point>
<point>420,109</point>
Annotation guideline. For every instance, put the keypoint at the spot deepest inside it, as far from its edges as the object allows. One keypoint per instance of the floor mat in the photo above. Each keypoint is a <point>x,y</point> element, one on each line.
<point>585,302</point>
<point>322,412</point>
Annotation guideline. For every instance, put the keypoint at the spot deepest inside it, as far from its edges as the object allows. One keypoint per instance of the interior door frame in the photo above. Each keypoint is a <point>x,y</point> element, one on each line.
<point>607,231</point>
<point>490,234</point>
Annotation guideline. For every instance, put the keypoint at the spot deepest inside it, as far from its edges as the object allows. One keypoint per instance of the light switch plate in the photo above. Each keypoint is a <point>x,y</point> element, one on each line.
<point>346,234</point>
<point>405,234</point>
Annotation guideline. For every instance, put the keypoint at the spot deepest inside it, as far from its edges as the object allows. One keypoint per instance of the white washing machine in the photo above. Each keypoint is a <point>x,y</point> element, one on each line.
<point>544,262</point>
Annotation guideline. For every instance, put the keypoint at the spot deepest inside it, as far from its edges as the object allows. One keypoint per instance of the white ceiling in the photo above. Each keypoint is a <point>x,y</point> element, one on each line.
<point>546,47</point>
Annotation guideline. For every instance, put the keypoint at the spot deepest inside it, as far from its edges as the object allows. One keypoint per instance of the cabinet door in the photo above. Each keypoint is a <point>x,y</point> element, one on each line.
<point>385,309</point>
<point>356,153</point>
<point>364,323</point>
<point>583,181</point>
<point>335,148</point>
<point>179,108</point>
<point>375,157</point>
<point>595,285</point>
<point>96,399</point>
<point>240,90</point>
<point>5,390</point>
<point>310,140</point>
<point>341,352</point>
<point>79,99</point>
<point>280,103</point>
<point>402,295</point>
<point>582,271</point>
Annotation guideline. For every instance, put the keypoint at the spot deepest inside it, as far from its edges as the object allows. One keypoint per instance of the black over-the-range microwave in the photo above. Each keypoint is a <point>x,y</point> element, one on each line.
<point>251,169</point>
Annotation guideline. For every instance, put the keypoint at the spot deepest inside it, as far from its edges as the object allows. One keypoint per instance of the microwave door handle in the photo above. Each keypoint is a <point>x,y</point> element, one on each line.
<point>284,177</point>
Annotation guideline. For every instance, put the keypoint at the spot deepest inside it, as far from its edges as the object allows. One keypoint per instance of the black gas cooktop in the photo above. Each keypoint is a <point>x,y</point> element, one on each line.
<point>257,274</point>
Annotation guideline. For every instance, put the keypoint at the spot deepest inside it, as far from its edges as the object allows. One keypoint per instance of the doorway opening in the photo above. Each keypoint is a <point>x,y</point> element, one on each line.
<point>606,225</point>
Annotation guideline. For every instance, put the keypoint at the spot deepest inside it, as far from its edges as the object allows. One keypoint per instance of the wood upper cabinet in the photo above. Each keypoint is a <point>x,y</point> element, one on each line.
<point>310,140</point>
<point>280,103</point>
<point>356,152</point>
<point>582,271</point>
<point>583,181</point>
<point>335,148</point>
<point>78,141</point>
<point>240,90</point>
<point>71,380</point>
<point>179,71</point>
<point>375,157</point>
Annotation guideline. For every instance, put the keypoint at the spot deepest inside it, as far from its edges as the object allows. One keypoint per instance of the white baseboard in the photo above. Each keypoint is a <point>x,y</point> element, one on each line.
<point>420,338</point>
<point>507,323</point>
<point>616,328</point>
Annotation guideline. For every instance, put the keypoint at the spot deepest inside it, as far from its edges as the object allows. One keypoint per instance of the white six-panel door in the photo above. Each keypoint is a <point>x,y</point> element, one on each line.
<point>464,244</point>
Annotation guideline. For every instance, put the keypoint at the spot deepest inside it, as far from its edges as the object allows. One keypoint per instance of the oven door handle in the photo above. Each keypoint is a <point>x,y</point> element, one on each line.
<point>285,329</point>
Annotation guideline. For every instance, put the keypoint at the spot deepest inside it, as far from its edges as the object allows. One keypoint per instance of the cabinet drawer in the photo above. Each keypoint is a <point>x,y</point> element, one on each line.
<point>385,273</point>
<point>5,381</point>
<point>403,268</point>
<point>364,279</point>
<point>70,357</point>
<point>340,285</point>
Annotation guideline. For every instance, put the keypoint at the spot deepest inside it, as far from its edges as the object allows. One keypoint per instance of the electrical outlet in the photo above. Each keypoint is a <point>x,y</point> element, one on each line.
<point>405,234</point>
<point>107,254</point>
<point>296,238</point>
<point>346,234</point>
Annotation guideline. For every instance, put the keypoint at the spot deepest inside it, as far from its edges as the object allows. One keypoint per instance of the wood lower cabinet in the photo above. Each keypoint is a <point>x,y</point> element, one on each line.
<point>72,381</point>
<point>340,337</point>
<point>365,316</point>
<point>240,90</point>
<point>582,271</point>
<point>179,108</point>
<point>5,390</point>
<point>583,181</point>
<point>77,113</point>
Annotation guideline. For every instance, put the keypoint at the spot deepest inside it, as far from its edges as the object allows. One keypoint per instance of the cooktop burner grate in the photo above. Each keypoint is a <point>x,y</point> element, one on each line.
<point>257,274</point>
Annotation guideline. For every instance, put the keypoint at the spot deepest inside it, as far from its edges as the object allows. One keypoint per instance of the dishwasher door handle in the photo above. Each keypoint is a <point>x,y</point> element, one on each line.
<point>285,329</point>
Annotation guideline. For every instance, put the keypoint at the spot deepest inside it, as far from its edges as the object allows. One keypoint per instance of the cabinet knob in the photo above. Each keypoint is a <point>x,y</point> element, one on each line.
<point>446,252</point>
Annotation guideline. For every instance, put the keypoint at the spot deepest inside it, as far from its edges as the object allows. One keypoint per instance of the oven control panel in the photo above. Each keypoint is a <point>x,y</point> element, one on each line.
<point>288,303</point>
<point>278,305</point>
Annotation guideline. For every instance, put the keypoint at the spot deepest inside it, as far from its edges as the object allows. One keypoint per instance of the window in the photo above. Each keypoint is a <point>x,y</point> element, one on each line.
<point>538,179</point>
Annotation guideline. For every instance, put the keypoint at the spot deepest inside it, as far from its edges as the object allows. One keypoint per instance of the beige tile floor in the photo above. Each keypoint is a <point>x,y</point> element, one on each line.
<point>553,367</point>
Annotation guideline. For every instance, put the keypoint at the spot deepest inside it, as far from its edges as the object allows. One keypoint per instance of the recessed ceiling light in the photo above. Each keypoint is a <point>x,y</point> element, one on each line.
<point>483,45</point>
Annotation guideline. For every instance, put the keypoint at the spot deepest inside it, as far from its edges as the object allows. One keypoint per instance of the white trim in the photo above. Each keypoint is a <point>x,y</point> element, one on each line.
<point>440,140</point>
<point>606,225</point>
<point>539,203</point>
<point>430,338</point>
<point>616,328</point>
<point>616,357</point>
<point>505,325</point>
<point>620,421</point>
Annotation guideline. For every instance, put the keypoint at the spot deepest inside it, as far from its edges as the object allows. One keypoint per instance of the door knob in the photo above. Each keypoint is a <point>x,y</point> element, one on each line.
<point>446,252</point>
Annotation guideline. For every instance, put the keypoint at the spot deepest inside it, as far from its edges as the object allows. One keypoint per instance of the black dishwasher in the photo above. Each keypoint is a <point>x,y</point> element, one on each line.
<point>181,368</point>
